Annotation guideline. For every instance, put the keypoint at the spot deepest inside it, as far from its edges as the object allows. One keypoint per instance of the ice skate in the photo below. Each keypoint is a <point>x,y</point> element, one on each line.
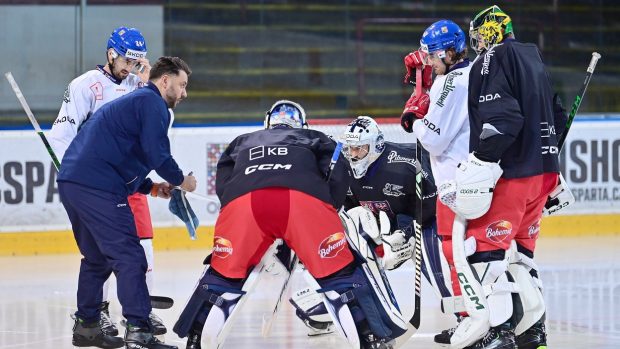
<point>105,322</point>
<point>91,335</point>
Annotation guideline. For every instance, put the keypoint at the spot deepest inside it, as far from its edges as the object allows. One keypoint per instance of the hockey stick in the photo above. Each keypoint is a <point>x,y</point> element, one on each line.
<point>33,121</point>
<point>268,322</point>
<point>160,302</point>
<point>579,98</point>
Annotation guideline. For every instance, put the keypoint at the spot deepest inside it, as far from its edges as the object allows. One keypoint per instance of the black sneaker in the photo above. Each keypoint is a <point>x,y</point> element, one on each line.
<point>193,340</point>
<point>158,325</point>
<point>90,335</point>
<point>143,338</point>
<point>534,338</point>
<point>500,337</point>
<point>105,322</point>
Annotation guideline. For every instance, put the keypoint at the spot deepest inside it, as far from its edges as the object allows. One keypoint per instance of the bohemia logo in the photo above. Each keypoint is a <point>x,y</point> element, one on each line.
<point>499,231</point>
<point>222,247</point>
<point>333,244</point>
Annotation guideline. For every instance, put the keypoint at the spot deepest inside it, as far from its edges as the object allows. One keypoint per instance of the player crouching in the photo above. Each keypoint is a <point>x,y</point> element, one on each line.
<point>275,184</point>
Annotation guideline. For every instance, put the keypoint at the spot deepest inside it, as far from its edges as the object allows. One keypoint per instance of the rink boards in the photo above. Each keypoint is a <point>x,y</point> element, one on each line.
<point>33,221</point>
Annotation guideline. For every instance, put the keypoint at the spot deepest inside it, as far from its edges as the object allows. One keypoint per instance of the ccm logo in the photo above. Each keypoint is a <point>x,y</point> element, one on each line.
<point>489,97</point>
<point>550,150</point>
<point>265,167</point>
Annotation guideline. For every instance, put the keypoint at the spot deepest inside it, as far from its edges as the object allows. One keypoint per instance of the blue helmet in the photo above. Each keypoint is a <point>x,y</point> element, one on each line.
<point>442,35</point>
<point>285,113</point>
<point>128,42</point>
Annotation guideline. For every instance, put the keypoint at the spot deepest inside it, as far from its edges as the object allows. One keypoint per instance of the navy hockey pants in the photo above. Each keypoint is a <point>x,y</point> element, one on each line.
<point>105,232</point>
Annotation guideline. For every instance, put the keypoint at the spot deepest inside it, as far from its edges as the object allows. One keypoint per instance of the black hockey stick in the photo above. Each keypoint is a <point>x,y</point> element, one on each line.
<point>579,98</point>
<point>33,121</point>
<point>160,302</point>
<point>417,249</point>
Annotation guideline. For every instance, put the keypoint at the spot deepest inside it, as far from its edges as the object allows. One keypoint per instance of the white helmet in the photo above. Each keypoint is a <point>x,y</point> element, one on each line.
<point>362,144</point>
<point>285,113</point>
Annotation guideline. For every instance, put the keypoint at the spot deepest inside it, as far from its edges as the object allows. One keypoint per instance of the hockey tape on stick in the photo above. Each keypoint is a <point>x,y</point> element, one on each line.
<point>334,160</point>
<point>33,121</point>
<point>579,98</point>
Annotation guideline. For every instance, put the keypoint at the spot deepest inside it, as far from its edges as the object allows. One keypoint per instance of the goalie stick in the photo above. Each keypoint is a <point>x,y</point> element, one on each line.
<point>33,121</point>
<point>579,98</point>
<point>268,321</point>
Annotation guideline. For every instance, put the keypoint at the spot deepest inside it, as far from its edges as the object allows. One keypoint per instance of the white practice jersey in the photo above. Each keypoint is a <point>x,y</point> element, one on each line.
<point>85,95</point>
<point>444,131</point>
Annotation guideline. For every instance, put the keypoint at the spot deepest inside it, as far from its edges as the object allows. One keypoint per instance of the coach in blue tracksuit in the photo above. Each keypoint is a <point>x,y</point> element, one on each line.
<point>108,160</point>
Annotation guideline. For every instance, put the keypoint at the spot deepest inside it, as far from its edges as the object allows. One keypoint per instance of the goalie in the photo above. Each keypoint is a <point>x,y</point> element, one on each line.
<point>384,181</point>
<point>275,183</point>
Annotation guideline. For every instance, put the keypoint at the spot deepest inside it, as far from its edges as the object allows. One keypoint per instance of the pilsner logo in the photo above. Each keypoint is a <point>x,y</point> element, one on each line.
<point>499,231</point>
<point>333,244</point>
<point>222,248</point>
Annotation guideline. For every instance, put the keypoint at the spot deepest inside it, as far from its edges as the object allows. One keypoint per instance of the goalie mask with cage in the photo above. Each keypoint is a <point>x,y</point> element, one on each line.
<point>362,143</point>
<point>488,28</point>
<point>285,114</point>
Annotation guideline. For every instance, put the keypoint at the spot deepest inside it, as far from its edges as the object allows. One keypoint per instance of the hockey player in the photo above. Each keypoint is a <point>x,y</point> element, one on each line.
<point>502,187</point>
<point>443,129</point>
<point>126,69</point>
<point>273,183</point>
<point>384,180</point>
<point>108,160</point>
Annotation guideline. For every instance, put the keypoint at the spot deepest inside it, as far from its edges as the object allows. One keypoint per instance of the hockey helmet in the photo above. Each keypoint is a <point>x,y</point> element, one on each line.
<point>285,113</point>
<point>128,43</point>
<point>362,144</point>
<point>441,36</point>
<point>488,28</point>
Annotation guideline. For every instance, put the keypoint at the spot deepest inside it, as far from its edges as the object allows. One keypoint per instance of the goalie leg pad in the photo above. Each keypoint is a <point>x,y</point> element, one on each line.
<point>356,293</point>
<point>212,290</point>
<point>530,294</point>
<point>309,307</point>
<point>486,288</point>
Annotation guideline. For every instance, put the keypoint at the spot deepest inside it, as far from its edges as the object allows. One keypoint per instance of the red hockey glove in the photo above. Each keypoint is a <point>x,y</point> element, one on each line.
<point>416,106</point>
<point>413,61</point>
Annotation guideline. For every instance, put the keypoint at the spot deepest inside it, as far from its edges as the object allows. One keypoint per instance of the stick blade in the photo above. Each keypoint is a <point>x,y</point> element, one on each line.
<point>161,302</point>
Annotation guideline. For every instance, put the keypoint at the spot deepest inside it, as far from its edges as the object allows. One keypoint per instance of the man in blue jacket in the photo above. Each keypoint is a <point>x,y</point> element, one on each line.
<point>108,160</point>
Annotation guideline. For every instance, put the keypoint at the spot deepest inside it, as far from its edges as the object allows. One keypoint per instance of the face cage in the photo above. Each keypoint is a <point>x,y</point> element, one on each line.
<point>473,41</point>
<point>361,148</point>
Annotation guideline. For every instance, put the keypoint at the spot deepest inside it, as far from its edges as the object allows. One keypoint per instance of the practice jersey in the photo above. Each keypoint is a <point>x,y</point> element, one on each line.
<point>298,159</point>
<point>444,131</point>
<point>389,185</point>
<point>83,97</point>
<point>512,112</point>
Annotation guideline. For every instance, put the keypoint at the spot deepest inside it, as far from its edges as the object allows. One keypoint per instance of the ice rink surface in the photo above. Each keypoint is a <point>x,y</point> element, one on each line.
<point>581,277</point>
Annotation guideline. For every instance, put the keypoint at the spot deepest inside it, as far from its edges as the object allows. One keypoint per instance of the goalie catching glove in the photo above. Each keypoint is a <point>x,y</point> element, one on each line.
<point>471,193</point>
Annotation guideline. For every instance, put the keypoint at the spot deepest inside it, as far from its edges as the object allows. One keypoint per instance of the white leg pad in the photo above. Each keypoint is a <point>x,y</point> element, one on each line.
<point>342,318</point>
<point>530,295</point>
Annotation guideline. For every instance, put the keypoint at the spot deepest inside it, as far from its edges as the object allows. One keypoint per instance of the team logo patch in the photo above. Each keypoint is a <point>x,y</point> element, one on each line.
<point>222,248</point>
<point>534,229</point>
<point>499,231</point>
<point>393,190</point>
<point>332,245</point>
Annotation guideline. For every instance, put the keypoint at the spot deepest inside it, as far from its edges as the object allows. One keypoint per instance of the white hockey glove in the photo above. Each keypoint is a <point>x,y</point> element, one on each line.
<point>396,249</point>
<point>475,181</point>
<point>559,198</point>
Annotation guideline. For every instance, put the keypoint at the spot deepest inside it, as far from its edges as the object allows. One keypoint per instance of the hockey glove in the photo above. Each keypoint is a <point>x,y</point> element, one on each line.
<point>413,61</point>
<point>397,249</point>
<point>415,108</point>
<point>475,181</point>
<point>180,207</point>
